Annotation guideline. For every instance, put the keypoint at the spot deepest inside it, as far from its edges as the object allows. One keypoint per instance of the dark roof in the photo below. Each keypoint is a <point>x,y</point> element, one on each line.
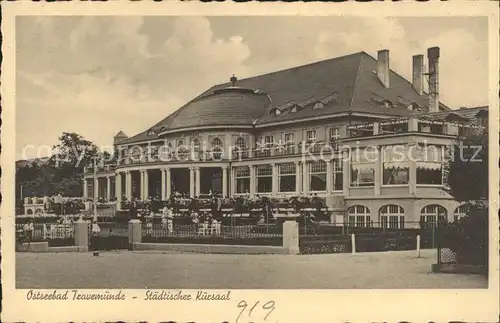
<point>342,84</point>
<point>469,115</point>
<point>120,134</point>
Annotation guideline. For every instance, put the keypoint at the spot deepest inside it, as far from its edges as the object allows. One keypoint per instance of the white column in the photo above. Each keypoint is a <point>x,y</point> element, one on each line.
<point>412,180</point>
<point>252,180</point>
<point>141,195</point>
<point>305,178</point>
<point>108,187</point>
<point>197,180</point>
<point>169,183</point>
<point>128,185</point>
<point>146,184</point>
<point>329,178</point>
<point>275,180</point>
<point>191,182</point>
<point>118,190</point>
<point>224,181</point>
<point>96,188</point>
<point>163,185</point>
<point>298,176</point>
<point>346,168</point>
<point>85,188</point>
<point>378,172</point>
<point>232,181</point>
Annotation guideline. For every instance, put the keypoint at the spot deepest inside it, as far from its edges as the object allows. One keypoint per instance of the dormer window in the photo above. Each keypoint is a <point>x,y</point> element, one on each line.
<point>387,104</point>
<point>294,109</point>
<point>318,105</point>
<point>275,112</point>
<point>151,132</point>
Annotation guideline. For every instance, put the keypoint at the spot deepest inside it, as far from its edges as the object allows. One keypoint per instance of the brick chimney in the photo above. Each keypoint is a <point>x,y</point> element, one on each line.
<point>433,57</point>
<point>383,67</point>
<point>418,73</point>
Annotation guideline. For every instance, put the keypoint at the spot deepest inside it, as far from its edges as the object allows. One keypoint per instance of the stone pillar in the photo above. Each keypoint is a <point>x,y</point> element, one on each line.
<point>169,183</point>
<point>146,185</point>
<point>118,190</point>
<point>232,181</point>
<point>163,184</point>
<point>96,188</point>
<point>305,178</point>
<point>85,189</point>
<point>191,182</point>
<point>128,185</point>
<point>252,180</point>
<point>81,234</point>
<point>108,188</point>
<point>291,237</point>
<point>141,195</point>
<point>224,181</point>
<point>379,177</point>
<point>376,128</point>
<point>134,232</point>
<point>298,175</point>
<point>197,180</point>
<point>329,178</point>
<point>346,168</point>
<point>274,180</point>
<point>412,124</point>
<point>251,145</point>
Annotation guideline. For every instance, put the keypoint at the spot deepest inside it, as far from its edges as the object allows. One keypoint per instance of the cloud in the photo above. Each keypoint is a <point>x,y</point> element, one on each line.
<point>463,72</point>
<point>97,75</point>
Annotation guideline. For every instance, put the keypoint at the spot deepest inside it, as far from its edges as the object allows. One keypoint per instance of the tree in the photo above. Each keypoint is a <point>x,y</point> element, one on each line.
<point>73,152</point>
<point>468,169</point>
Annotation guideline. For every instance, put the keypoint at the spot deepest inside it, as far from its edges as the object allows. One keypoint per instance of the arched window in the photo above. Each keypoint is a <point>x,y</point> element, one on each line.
<point>216,148</point>
<point>359,216</point>
<point>392,216</point>
<point>29,212</point>
<point>431,215</point>
<point>39,211</point>
<point>460,212</point>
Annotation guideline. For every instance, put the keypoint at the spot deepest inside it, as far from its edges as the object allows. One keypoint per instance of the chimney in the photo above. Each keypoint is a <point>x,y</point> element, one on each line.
<point>383,67</point>
<point>418,73</point>
<point>433,57</point>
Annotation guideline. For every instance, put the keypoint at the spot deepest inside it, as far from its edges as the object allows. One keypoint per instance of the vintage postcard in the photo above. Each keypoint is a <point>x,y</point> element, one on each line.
<point>250,163</point>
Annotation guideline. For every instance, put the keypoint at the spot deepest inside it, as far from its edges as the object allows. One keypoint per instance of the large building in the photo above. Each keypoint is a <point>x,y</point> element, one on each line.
<point>293,132</point>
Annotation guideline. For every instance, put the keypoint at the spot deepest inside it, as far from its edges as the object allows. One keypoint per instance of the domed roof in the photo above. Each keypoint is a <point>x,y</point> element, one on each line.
<point>231,106</point>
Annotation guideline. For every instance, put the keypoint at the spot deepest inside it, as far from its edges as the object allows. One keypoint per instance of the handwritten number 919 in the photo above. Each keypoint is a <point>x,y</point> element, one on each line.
<point>269,307</point>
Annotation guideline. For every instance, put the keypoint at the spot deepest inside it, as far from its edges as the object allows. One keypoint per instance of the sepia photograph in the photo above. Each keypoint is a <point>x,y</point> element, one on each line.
<point>194,156</point>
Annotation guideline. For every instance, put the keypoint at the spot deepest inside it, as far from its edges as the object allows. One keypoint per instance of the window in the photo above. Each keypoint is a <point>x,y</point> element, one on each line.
<point>265,146</point>
<point>196,144</point>
<point>317,176</point>
<point>338,174</point>
<point>431,215</point>
<point>289,143</point>
<point>241,149</point>
<point>359,216</point>
<point>216,148</point>
<point>392,217</point>
<point>396,166</point>
<point>363,167</point>
<point>460,212</point>
<point>429,161</point>
<point>334,134</point>
<point>264,175</point>
<point>242,179</point>
<point>241,144</point>
<point>310,137</point>
<point>287,177</point>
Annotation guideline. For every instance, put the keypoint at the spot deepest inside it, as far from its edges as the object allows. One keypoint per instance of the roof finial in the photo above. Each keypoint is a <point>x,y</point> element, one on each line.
<point>233,80</point>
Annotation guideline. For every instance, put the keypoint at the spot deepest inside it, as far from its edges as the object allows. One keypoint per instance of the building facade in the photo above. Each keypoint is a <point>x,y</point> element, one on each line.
<point>348,129</point>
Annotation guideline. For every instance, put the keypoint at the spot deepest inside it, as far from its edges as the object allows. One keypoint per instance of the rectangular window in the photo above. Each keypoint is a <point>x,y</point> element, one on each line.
<point>396,165</point>
<point>363,167</point>
<point>429,160</point>
<point>317,176</point>
<point>338,174</point>
<point>310,136</point>
<point>287,177</point>
<point>242,178</point>
<point>264,175</point>
<point>334,134</point>
<point>289,143</point>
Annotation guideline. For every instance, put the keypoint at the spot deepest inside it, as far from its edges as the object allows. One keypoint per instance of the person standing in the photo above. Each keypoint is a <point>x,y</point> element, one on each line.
<point>58,200</point>
<point>28,228</point>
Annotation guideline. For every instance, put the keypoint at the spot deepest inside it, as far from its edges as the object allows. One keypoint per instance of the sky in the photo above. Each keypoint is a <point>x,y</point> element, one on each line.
<point>97,75</point>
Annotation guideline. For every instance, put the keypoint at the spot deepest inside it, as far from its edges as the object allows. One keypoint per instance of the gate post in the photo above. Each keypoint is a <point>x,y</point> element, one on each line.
<point>81,234</point>
<point>291,237</point>
<point>134,232</point>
